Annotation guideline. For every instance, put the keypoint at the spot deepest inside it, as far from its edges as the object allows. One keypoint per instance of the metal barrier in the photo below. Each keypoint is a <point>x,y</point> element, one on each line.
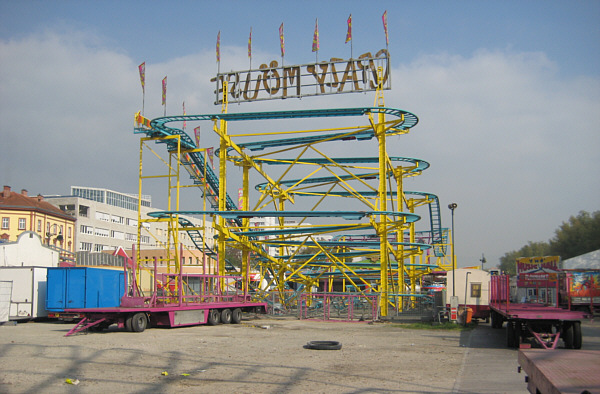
<point>338,306</point>
<point>413,306</point>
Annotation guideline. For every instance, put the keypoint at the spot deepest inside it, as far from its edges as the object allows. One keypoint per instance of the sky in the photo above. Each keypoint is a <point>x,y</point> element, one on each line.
<point>507,94</point>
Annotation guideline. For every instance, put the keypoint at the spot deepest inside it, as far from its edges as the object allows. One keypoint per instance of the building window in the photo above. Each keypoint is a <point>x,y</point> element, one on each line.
<point>101,232</point>
<point>476,290</point>
<point>22,224</point>
<point>83,211</point>
<point>69,232</point>
<point>39,227</point>
<point>102,216</point>
<point>85,246</point>
<point>5,223</point>
<point>68,209</point>
<point>86,229</point>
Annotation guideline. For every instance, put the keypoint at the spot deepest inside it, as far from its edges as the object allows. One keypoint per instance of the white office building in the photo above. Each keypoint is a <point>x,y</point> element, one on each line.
<point>107,219</point>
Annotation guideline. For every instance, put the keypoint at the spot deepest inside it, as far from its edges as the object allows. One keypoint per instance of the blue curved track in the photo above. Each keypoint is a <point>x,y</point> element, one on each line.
<point>404,121</point>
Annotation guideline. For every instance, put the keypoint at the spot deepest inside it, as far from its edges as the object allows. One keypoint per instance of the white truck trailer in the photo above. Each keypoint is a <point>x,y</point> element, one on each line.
<point>27,287</point>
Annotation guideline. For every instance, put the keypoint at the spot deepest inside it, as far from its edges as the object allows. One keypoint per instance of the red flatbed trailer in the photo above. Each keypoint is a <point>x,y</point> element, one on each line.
<point>137,319</point>
<point>567,371</point>
<point>217,302</point>
<point>546,324</point>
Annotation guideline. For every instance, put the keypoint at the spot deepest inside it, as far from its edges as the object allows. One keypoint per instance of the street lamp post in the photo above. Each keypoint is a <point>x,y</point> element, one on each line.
<point>454,298</point>
<point>452,207</point>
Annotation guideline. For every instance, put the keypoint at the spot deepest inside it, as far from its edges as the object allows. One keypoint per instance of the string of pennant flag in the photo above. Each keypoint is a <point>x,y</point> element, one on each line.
<point>315,42</point>
<point>315,48</point>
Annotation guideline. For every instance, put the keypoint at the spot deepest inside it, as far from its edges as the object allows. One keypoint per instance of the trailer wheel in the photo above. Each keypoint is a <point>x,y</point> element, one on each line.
<point>568,335</point>
<point>518,333</point>
<point>213,317</point>
<point>128,323</point>
<point>226,316</point>
<point>496,320</point>
<point>577,337</point>
<point>139,322</point>
<point>236,316</point>
<point>510,334</point>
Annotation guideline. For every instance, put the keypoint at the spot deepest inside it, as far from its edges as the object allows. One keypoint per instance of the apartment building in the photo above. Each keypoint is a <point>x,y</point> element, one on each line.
<point>19,213</point>
<point>107,219</point>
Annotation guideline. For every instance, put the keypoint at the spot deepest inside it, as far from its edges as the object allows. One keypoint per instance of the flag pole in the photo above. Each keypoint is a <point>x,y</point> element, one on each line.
<point>184,122</point>
<point>164,94</point>
<point>315,47</point>
<point>250,48</point>
<point>142,70</point>
<point>218,50</point>
<point>349,35</point>
<point>282,43</point>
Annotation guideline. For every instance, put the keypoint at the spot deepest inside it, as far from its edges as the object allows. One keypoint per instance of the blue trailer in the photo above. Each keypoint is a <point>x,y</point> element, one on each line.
<point>82,288</point>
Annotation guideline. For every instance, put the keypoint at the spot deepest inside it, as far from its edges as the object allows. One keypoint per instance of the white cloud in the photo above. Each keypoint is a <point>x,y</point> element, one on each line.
<point>512,142</point>
<point>508,139</point>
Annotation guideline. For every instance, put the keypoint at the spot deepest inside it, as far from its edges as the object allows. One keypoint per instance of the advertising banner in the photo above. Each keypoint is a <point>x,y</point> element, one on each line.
<point>537,271</point>
<point>585,284</point>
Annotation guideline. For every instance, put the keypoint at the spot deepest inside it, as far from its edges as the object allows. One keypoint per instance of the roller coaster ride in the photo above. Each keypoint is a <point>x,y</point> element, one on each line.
<point>370,247</point>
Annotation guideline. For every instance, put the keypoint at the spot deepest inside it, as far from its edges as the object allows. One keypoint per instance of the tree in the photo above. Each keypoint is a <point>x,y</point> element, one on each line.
<point>532,249</point>
<point>234,256</point>
<point>580,235</point>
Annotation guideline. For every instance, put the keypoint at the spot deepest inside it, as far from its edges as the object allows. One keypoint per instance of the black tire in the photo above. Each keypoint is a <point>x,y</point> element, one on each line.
<point>577,337</point>
<point>226,316</point>
<point>510,334</point>
<point>128,323</point>
<point>236,316</point>
<point>323,345</point>
<point>139,322</point>
<point>214,317</point>
<point>568,335</point>
<point>496,320</point>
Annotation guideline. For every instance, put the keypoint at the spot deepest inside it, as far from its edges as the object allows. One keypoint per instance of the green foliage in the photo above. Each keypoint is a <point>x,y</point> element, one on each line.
<point>234,256</point>
<point>580,235</point>
<point>532,249</point>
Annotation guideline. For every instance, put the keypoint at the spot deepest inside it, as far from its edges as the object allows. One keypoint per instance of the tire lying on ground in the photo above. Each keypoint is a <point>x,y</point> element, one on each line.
<point>323,345</point>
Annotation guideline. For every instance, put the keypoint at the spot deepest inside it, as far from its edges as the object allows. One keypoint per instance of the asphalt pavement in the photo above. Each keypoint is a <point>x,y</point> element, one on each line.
<point>490,367</point>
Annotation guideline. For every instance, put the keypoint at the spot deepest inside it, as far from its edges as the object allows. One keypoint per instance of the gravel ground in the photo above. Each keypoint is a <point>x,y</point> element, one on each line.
<point>263,355</point>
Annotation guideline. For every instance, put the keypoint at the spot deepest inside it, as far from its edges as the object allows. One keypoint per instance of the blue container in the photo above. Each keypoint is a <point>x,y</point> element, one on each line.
<point>83,287</point>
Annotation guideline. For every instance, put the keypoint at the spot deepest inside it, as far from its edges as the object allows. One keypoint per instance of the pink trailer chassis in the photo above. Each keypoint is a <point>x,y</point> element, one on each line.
<point>215,301</point>
<point>546,324</point>
<point>137,319</point>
